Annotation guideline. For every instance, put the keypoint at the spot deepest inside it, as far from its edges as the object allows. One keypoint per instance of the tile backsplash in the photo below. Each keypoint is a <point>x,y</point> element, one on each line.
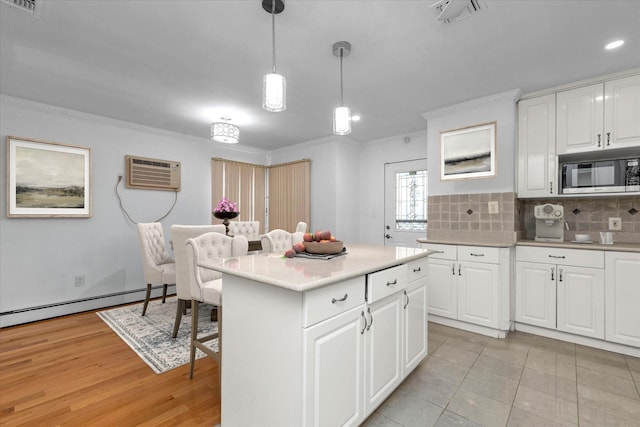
<point>588,215</point>
<point>465,218</point>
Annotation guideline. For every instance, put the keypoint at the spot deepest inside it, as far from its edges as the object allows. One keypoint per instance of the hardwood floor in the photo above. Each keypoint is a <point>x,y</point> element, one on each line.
<point>76,371</point>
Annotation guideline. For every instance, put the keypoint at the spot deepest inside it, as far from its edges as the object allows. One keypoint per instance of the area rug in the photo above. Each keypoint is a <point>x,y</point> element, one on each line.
<point>150,336</point>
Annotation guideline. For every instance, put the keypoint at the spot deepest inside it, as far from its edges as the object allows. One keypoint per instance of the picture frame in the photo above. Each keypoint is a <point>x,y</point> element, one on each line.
<point>47,179</point>
<point>468,153</point>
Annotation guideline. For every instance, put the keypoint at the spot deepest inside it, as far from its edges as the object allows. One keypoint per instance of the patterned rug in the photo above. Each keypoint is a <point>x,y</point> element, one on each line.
<point>150,336</point>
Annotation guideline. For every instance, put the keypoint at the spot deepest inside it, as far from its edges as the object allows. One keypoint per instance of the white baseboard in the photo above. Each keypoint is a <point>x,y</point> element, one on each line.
<point>482,330</point>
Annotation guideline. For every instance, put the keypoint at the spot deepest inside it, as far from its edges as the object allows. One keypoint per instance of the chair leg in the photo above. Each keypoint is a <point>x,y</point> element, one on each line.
<point>164,292</point>
<point>194,335</point>
<point>146,299</point>
<point>181,309</point>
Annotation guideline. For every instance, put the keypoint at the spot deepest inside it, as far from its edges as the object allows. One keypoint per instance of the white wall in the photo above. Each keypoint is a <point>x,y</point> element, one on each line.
<point>500,108</point>
<point>40,257</point>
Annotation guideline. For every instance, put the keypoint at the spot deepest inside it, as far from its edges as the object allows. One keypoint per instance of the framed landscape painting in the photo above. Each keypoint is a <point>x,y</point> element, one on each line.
<point>468,153</point>
<point>47,179</point>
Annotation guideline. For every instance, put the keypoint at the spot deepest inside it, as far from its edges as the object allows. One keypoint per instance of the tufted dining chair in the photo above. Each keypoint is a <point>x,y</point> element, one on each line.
<point>158,267</point>
<point>301,227</point>
<point>246,228</point>
<point>179,236</point>
<point>206,285</point>
<point>279,240</point>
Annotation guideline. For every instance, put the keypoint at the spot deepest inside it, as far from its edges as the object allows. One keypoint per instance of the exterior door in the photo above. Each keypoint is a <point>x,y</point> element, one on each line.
<point>405,201</point>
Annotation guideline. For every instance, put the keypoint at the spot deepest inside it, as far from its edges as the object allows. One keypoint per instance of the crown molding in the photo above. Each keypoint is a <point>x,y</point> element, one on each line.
<point>103,120</point>
<point>511,96</point>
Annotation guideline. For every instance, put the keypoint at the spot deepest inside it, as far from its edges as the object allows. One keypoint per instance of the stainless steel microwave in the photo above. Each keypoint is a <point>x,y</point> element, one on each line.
<point>601,176</point>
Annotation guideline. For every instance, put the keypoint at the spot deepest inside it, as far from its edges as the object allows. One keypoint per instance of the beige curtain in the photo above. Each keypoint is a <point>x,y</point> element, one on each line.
<point>289,200</point>
<point>243,183</point>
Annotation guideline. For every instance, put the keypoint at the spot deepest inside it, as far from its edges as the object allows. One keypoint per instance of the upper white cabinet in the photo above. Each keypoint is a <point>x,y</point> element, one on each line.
<point>537,169</point>
<point>601,116</point>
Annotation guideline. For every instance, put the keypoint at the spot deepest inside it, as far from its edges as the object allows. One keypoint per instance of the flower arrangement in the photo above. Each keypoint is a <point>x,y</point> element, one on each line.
<point>225,205</point>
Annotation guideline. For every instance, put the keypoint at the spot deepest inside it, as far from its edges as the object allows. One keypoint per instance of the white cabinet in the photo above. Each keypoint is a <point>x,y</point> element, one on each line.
<point>599,116</point>
<point>561,289</point>
<point>622,296</point>
<point>470,284</point>
<point>537,163</point>
<point>357,351</point>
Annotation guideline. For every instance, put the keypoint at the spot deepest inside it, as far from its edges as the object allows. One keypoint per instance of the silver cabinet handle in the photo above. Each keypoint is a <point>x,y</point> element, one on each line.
<point>550,187</point>
<point>365,323</point>
<point>371,317</point>
<point>472,254</point>
<point>557,256</point>
<point>415,270</point>
<point>598,140</point>
<point>552,271</point>
<point>560,274</point>
<point>459,269</point>
<point>453,269</point>
<point>395,282</point>
<point>608,138</point>
<point>407,303</point>
<point>344,298</point>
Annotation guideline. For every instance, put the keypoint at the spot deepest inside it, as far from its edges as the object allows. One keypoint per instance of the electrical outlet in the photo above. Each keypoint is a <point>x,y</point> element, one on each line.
<point>494,207</point>
<point>79,281</point>
<point>615,224</point>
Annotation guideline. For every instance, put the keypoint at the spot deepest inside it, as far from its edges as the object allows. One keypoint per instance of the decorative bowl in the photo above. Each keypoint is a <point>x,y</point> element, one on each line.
<point>583,237</point>
<point>324,248</point>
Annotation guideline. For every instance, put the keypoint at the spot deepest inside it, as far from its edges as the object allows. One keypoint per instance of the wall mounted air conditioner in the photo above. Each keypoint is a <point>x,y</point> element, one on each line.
<point>152,174</point>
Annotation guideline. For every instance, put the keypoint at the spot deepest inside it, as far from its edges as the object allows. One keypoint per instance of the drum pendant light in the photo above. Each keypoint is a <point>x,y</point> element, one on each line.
<point>274,85</point>
<point>341,114</point>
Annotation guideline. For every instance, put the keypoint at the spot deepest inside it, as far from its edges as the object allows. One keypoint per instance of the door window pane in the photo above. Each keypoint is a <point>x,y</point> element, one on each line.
<point>411,201</point>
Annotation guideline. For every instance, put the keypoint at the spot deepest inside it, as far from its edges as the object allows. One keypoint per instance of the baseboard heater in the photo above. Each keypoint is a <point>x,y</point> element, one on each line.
<point>81,301</point>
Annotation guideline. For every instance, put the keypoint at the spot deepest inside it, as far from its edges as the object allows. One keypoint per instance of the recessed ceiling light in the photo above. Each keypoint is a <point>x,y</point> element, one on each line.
<point>614,44</point>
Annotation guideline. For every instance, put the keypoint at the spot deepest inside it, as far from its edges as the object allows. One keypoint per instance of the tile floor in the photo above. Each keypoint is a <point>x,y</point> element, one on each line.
<point>522,380</point>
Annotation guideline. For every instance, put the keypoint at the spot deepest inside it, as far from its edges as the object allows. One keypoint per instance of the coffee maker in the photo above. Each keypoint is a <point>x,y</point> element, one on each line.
<point>549,223</point>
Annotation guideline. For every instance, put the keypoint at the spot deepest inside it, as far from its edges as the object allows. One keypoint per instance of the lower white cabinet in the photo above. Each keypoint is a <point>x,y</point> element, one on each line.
<point>470,284</point>
<point>622,296</point>
<point>355,359</point>
<point>561,289</point>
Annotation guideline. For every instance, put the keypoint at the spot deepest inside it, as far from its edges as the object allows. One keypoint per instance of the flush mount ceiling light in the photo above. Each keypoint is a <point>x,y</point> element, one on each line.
<point>341,114</point>
<point>225,132</point>
<point>274,85</point>
<point>614,44</point>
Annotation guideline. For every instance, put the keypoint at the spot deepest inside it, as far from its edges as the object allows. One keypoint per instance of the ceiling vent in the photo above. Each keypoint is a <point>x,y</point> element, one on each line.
<point>30,6</point>
<point>449,11</point>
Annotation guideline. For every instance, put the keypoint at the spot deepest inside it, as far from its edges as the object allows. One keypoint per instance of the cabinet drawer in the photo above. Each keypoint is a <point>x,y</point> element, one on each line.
<point>478,254</point>
<point>386,282</point>
<point>323,303</point>
<point>417,269</point>
<point>444,251</point>
<point>573,257</point>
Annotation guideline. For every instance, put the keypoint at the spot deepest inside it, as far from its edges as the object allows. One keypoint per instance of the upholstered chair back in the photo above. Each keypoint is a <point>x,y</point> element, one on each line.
<point>154,252</point>
<point>211,246</point>
<point>246,228</point>
<point>301,227</point>
<point>279,240</point>
<point>179,236</point>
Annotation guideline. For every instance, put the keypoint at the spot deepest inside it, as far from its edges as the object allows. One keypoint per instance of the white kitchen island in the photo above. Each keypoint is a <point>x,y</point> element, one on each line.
<point>308,342</point>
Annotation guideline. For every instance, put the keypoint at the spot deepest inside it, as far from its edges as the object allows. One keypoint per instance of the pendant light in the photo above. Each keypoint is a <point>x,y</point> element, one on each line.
<point>274,85</point>
<point>225,132</point>
<point>341,114</point>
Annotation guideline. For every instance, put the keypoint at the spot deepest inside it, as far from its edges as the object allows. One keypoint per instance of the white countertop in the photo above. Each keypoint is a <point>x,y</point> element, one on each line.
<point>303,274</point>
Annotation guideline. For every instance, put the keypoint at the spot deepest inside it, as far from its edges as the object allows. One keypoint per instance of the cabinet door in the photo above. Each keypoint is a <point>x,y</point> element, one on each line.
<point>580,120</point>
<point>333,370</point>
<point>415,325</point>
<point>478,285</point>
<point>622,296</point>
<point>580,293</point>
<point>443,291</point>
<point>536,294</point>
<point>383,350</point>
<point>622,113</point>
<point>537,147</point>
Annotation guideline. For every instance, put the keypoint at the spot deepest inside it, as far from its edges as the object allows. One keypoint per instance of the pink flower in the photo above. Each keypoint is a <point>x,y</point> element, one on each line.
<point>225,205</point>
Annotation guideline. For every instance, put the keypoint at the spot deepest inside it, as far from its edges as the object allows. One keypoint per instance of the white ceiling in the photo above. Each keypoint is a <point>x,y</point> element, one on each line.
<point>180,64</point>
